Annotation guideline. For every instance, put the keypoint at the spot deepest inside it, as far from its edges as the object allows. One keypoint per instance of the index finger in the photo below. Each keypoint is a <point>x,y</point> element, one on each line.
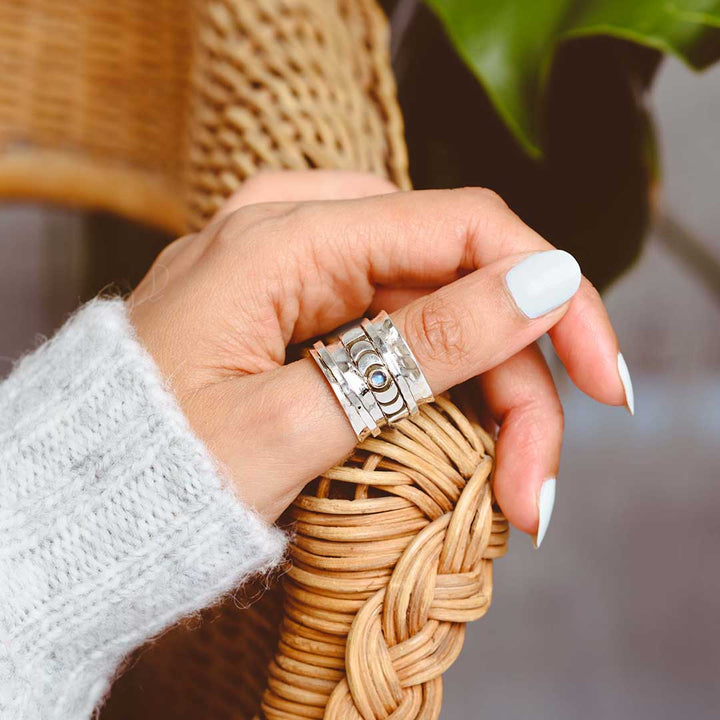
<point>429,237</point>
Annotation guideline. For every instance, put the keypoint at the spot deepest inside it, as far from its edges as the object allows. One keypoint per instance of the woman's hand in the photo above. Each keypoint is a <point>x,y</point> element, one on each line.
<point>295,254</point>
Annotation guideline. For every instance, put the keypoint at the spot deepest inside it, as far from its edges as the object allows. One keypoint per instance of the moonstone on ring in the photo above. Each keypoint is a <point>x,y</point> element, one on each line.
<point>374,375</point>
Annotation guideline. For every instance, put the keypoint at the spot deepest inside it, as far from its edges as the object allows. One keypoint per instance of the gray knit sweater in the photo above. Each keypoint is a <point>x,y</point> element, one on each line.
<point>114,521</point>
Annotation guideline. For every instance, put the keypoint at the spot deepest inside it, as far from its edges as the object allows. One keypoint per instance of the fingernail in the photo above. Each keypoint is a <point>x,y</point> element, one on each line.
<point>626,383</point>
<point>546,500</point>
<point>543,281</point>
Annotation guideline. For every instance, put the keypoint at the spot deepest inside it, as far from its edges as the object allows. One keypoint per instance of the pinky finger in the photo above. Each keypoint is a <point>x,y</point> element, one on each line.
<point>522,399</point>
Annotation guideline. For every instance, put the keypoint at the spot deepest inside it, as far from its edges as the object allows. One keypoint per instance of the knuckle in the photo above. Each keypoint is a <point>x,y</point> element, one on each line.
<point>556,414</point>
<point>539,422</point>
<point>439,332</point>
<point>171,249</point>
<point>530,432</point>
<point>492,198</point>
<point>260,215</point>
<point>533,434</point>
<point>253,224</point>
<point>486,196</point>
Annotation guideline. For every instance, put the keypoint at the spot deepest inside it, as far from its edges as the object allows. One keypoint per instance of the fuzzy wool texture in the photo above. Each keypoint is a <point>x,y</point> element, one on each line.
<point>114,520</point>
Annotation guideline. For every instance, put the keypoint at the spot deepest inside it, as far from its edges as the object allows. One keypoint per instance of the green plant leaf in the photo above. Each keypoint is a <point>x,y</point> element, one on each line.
<point>510,44</point>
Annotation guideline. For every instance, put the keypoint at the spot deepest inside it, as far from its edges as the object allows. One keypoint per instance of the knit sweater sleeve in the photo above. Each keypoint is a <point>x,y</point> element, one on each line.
<point>114,520</point>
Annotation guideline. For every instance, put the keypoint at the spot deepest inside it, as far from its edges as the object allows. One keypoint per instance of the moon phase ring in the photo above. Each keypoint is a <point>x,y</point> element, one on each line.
<point>374,375</point>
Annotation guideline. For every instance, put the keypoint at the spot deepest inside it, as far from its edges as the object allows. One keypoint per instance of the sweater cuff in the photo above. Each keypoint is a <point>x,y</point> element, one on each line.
<point>115,522</point>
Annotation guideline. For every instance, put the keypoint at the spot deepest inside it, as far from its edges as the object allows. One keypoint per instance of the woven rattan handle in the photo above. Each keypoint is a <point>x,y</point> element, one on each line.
<point>393,555</point>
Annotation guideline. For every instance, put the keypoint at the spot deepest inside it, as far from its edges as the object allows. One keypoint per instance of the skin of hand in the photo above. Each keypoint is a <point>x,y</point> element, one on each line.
<point>295,254</point>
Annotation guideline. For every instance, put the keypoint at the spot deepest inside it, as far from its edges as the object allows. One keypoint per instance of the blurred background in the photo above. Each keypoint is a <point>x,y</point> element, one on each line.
<point>616,616</point>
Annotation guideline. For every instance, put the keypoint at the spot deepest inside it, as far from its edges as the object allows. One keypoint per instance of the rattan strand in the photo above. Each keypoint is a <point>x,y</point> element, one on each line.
<point>393,555</point>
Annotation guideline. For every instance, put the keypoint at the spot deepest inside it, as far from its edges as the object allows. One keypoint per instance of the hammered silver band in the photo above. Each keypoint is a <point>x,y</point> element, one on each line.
<point>374,375</point>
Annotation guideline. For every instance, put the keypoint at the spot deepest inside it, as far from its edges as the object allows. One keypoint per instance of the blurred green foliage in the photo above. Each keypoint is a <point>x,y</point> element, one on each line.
<point>510,45</point>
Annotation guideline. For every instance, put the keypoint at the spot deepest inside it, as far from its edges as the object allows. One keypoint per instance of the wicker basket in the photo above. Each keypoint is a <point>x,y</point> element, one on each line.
<point>157,110</point>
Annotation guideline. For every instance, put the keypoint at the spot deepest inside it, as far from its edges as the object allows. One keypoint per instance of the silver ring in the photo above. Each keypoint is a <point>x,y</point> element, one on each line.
<point>374,375</point>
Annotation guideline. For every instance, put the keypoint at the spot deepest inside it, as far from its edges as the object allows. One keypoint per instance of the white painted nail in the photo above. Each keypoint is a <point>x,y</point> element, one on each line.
<point>544,281</point>
<point>546,500</point>
<point>626,383</point>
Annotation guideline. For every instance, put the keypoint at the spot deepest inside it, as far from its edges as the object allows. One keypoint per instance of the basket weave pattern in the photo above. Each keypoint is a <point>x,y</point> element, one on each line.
<point>393,555</point>
<point>158,109</point>
<point>290,85</point>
